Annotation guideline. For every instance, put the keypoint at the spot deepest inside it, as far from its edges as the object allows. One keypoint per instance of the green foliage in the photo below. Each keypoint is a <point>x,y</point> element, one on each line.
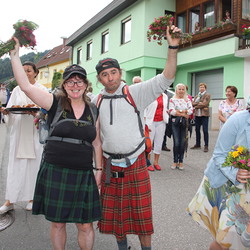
<point>57,78</point>
<point>12,85</point>
<point>28,57</point>
<point>5,69</point>
<point>5,65</point>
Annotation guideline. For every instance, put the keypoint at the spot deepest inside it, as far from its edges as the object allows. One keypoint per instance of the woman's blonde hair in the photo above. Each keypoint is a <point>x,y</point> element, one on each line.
<point>185,97</point>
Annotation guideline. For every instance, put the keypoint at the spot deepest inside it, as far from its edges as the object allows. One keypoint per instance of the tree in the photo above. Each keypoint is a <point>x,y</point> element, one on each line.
<point>57,78</point>
<point>5,64</point>
<point>12,84</point>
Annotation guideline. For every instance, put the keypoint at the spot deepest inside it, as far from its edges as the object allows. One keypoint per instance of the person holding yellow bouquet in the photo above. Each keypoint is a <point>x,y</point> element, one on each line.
<point>222,203</point>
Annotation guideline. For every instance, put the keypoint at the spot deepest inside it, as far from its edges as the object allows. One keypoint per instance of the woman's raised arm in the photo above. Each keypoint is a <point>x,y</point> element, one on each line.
<point>37,95</point>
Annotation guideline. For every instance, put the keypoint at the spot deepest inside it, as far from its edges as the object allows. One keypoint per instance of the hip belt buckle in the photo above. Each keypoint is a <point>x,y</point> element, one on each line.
<point>117,174</point>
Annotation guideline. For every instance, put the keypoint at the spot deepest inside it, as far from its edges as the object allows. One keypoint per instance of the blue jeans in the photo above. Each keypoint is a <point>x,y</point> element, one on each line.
<point>179,133</point>
<point>201,121</point>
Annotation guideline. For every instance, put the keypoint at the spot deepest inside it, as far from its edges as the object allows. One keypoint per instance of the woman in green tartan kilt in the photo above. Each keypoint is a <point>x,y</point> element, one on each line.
<point>66,188</point>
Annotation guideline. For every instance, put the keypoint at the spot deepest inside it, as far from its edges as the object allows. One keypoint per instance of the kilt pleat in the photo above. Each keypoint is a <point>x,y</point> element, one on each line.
<point>66,195</point>
<point>126,202</point>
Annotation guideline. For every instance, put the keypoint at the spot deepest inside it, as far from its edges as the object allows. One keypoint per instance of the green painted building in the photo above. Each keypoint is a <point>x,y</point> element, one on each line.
<point>120,29</point>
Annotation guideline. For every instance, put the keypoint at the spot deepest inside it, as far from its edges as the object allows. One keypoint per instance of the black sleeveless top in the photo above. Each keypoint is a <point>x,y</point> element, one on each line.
<point>70,155</point>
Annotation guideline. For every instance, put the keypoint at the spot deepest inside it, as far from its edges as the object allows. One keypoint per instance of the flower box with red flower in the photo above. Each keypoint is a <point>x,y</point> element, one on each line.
<point>218,30</point>
<point>245,31</point>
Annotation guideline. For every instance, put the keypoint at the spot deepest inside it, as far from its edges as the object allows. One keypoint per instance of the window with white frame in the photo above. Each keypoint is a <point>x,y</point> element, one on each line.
<point>209,17</point>
<point>105,41</point>
<point>79,55</point>
<point>194,17</point>
<point>182,19</point>
<point>89,50</point>
<point>246,9</point>
<point>126,30</point>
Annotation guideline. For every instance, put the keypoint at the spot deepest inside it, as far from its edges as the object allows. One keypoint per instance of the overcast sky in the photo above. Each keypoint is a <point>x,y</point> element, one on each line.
<point>55,18</point>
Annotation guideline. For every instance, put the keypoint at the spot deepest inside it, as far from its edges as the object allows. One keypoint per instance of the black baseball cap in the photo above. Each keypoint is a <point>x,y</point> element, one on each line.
<point>74,69</point>
<point>106,63</point>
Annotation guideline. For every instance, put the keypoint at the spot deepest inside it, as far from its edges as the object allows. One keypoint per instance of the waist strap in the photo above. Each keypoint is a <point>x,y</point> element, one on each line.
<point>118,157</point>
<point>117,174</point>
<point>69,140</point>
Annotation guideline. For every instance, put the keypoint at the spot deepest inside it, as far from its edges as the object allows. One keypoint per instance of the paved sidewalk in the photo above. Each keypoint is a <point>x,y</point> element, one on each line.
<point>172,191</point>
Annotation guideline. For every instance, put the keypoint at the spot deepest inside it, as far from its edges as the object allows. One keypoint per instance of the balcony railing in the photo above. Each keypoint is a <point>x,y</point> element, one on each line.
<point>214,33</point>
<point>219,32</point>
<point>244,42</point>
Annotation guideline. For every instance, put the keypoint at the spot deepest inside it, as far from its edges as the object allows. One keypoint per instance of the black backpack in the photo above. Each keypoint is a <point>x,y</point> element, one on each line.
<point>46,127</point>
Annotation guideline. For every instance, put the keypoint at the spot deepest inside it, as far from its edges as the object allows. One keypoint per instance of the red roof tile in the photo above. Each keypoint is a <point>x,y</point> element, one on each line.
<point>57,54</point>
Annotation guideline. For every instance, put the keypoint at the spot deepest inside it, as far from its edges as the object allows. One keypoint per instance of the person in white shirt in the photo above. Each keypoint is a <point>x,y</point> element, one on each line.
<point>25,151</point>
<point>4,98</point>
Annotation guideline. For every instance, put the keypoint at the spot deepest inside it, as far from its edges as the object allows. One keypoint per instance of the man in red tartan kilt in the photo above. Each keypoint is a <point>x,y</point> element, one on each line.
<point>125,189</point>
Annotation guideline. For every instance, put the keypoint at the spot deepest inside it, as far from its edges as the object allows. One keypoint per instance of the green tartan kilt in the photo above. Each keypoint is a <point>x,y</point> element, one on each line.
<point>66,195</point>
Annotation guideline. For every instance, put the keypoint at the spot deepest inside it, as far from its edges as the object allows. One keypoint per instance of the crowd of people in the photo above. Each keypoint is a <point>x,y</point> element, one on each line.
<point>58,181</point>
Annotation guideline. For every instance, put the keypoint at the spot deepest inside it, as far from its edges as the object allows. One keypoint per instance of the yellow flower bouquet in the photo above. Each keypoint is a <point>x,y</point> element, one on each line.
<point>238,157</point>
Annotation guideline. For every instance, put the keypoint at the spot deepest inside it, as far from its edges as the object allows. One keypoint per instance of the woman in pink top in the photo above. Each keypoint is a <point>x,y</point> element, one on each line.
<point>230,105</point>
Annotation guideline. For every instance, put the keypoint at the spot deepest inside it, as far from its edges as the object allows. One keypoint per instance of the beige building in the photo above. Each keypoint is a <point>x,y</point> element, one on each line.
<point>56,60</point>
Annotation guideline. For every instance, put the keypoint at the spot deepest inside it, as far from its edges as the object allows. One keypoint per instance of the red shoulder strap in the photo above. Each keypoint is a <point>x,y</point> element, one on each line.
<point>128,96</point>
<point>99,100</point>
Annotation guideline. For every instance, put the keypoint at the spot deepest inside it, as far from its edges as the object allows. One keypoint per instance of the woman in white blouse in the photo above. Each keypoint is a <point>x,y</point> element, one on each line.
<point>180,108</point>
<point>25,151</point>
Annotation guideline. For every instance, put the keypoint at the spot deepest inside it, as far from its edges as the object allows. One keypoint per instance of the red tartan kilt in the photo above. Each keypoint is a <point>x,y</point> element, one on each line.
<point>126,202</point>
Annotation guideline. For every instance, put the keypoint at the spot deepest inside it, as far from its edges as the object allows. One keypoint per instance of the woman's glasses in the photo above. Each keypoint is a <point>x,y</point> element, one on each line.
<point>72,83</point>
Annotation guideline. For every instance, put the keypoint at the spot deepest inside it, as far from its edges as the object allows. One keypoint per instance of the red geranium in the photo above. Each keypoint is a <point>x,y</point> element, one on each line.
<point>245,29</point>
<point>157,30</point>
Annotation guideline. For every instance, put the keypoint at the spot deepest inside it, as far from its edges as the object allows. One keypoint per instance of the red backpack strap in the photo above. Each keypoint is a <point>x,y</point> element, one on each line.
<point>99,100</point>
<point>128,97</point>
<point>130,100</point>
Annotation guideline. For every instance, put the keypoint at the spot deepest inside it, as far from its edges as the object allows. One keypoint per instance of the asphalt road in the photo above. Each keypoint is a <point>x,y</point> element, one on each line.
<point>172,191</point>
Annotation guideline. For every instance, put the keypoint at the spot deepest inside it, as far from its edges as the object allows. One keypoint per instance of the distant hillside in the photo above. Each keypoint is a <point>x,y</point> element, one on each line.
<point>5,65</point>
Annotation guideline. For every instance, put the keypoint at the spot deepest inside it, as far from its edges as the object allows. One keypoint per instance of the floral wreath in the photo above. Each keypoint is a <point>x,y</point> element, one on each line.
<point>24,33</point>
<point>157,30</point>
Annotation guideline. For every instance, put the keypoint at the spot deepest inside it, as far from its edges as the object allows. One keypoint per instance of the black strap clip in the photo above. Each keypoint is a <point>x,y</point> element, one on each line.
<point>117,174</point>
